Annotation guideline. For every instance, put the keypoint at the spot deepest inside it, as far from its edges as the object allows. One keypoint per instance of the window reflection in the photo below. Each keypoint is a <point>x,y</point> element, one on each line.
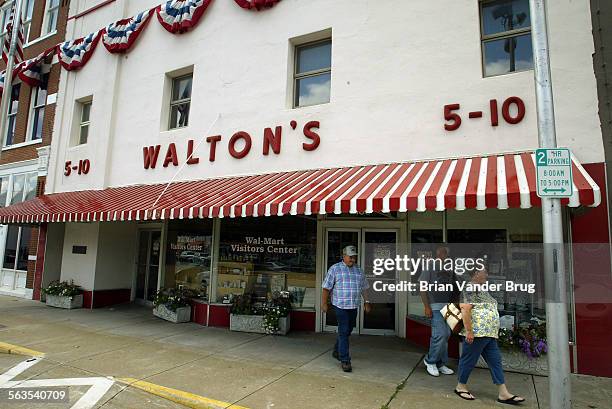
<point>265,256</point>
<point>180,102</point>
<point>508,55</point>
<point>312,74</point>
<point>188,256</point>
<point>506,36</point>
<point>314,90</point>
<point>500,16</point>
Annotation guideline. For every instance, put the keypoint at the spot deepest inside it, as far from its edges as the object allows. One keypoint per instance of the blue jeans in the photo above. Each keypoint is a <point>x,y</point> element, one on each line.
<point>346,322</point>
<point>487,347</point>
<point>438,344</point>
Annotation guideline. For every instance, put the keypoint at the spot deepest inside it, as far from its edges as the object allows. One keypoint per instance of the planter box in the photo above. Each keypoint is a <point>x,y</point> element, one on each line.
<point>61,301</point>
<point>254,323</point>
<point>182,314</point>
<point>517,361</point>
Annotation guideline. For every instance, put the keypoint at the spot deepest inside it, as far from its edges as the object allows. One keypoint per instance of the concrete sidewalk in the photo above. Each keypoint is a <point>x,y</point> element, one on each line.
<point>211,367</point>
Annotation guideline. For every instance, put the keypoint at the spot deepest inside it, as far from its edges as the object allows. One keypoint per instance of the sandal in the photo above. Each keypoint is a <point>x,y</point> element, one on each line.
<point>515,400</point>
<point>464,395</point>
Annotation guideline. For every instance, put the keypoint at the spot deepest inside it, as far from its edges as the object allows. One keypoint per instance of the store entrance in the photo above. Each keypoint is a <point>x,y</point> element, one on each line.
<point>147,265</point>
<point>371,243</point>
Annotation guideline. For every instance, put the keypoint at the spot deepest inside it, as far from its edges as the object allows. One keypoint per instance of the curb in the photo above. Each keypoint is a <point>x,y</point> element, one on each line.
<point>181,397</point>
<point>17,350</point>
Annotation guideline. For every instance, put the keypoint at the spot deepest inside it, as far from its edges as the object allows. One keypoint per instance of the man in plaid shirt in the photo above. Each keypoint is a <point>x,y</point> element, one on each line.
<point>346,283</point>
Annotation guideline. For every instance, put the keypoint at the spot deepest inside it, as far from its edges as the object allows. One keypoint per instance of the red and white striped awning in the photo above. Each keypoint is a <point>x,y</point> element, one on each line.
<point>497,181</point>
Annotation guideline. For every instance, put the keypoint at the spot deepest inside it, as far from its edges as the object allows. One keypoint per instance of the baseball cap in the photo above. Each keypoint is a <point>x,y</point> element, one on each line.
<point>349,251</point>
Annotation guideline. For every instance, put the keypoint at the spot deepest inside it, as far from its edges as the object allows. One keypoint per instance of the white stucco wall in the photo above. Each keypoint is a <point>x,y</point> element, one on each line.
<point>116,258</point>
<point>80,267</point>
<point>395,64</point>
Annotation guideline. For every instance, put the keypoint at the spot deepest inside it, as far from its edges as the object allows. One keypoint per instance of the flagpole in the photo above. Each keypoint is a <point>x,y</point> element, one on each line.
<point>8,74</point>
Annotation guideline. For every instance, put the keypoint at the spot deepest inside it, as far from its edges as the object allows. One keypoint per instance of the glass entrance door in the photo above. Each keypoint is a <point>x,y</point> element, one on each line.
<point>381,318</point>
<point>147,268</point>
<point>336,240</point>
<point>370,243</point>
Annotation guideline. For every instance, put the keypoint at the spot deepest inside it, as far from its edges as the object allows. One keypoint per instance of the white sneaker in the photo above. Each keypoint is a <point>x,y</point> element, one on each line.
<point>432,369</point>
<point>445,370</point>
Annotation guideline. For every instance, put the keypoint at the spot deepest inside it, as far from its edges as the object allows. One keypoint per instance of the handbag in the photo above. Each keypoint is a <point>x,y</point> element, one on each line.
<point>452,315</point>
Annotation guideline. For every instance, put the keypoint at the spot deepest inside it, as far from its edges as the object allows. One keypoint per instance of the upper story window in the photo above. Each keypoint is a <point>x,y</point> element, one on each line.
<point>4,184</point>
<point>5,14</point>
<point>505,27</point>
<point>312,73</point>
<point>12,116</point>
<point>28,11</point>
<point>180,101</point>
<point>38,101</point>
<point>51,14</point>
<point>24,187</point>
<point>84,122</point>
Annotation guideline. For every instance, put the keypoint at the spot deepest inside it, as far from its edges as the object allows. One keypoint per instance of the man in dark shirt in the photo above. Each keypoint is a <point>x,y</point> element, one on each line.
<point>437,358</point>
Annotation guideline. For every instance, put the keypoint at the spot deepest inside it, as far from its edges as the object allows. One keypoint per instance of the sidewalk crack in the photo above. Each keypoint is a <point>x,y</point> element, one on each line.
<point>401,385</point>
<point>535,390</point>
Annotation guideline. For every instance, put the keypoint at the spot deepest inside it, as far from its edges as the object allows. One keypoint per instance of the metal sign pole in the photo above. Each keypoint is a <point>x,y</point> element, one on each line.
<point>554,260</point>
<point>8,77</point>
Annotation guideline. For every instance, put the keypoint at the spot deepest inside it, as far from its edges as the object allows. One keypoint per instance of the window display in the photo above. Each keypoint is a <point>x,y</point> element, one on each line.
<point>188,256</point>
<point>265,256</point>
<point>510,240</point>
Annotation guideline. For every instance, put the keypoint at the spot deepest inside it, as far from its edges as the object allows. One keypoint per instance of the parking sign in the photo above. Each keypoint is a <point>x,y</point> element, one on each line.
<point>554,168</point>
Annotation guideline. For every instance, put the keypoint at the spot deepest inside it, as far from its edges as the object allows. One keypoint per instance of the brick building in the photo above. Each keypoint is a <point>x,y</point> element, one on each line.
<point>25,146</point>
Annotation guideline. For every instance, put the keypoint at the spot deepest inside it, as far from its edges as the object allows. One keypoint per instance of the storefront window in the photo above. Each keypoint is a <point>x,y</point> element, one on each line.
<point>24,249</point>
<point>16,250</point>
<point>511,241</point>
<point>10,250</point>
<point>265,255</point>
<point>188,256</point>
<point>426,229</point>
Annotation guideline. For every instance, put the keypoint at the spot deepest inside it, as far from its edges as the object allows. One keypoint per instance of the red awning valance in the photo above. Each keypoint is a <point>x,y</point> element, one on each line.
<point>497,181</point>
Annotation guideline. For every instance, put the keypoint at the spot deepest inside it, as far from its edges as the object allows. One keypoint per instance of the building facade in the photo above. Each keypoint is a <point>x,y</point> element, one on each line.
<point>25,148</point>
<point>241,148</point>
<point>601,13</point>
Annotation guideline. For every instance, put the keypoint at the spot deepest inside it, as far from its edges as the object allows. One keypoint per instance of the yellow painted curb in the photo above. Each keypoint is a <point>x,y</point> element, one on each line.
<point>17,350</point>
<point>181,397</point>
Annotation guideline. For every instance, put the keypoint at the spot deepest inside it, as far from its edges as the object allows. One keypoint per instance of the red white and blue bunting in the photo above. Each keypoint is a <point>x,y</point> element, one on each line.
<point>256,4</point>
<point>75,54</point>
<point>180,16</point>
<point>119,36</point>
<point>31,71</point>
<point>176,16</point>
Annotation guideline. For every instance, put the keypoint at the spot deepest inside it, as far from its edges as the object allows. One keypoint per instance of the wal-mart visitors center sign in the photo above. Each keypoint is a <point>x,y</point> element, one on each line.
<point>554,168</point>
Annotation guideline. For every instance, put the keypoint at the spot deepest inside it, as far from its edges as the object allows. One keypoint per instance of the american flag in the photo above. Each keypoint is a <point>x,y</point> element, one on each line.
<point>6,44</point>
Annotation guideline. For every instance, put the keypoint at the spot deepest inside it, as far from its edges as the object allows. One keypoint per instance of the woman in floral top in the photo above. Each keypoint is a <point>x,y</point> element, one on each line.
<point>480,332</point>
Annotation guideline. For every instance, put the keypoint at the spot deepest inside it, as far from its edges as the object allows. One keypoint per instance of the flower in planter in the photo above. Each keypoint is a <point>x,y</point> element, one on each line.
<point>527,337</point>
<point>172,298</point>
<point>244,305</point>
<point>276,308</point>
<point>62,289</point>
